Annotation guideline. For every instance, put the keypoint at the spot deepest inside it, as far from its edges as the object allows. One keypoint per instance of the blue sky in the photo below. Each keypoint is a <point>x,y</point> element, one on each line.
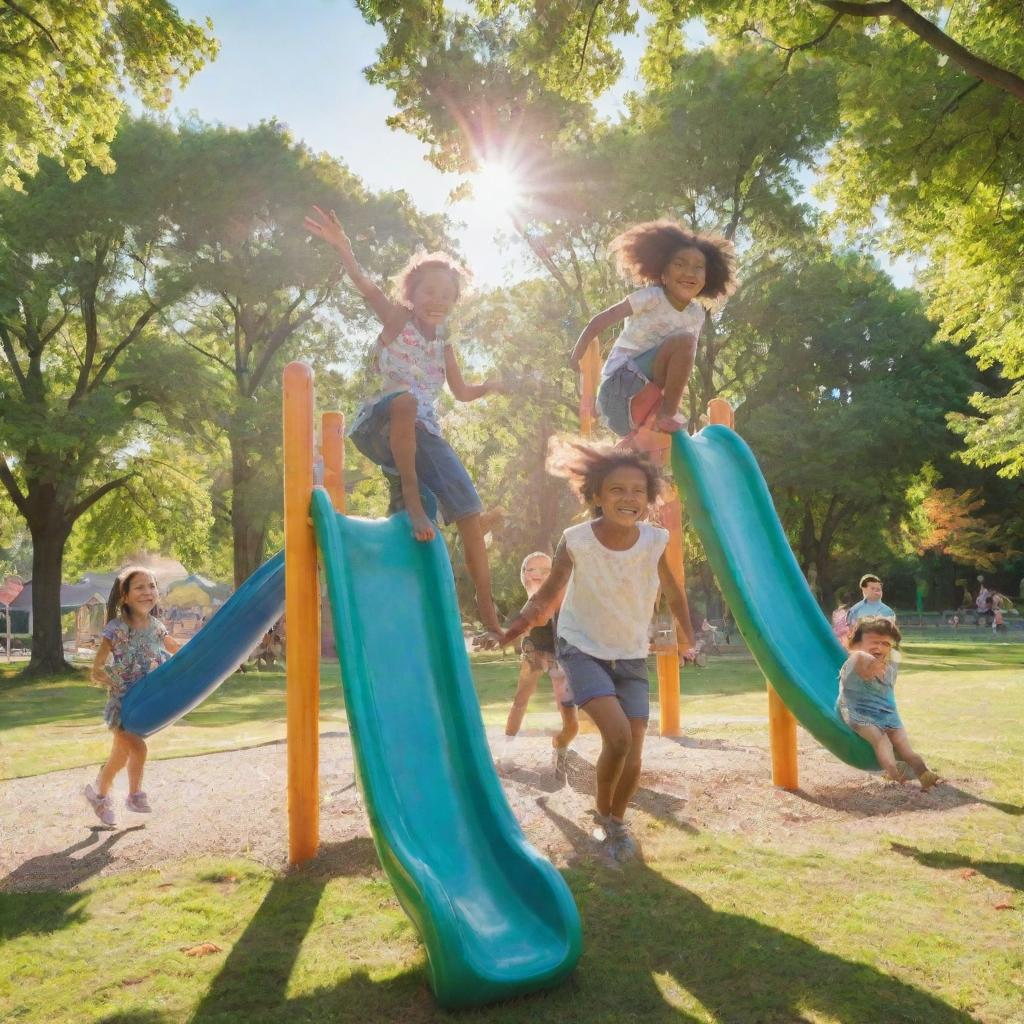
<point>302,63</point>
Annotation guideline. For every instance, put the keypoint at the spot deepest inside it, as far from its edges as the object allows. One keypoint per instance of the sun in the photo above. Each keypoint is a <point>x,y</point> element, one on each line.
<point>497,188</point>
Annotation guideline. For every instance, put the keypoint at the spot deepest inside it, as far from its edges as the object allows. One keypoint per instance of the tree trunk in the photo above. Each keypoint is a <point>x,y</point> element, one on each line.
<point>49,534</point>
<point>248,521</point>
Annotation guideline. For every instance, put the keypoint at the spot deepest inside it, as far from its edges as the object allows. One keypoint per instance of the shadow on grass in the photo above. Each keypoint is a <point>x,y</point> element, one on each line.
<point>739,969</point>
<point>880,801</point>
<point>65,870</point>
<point>1003,872</point>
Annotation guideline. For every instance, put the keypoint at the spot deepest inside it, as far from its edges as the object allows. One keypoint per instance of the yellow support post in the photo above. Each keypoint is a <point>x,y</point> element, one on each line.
<point>782,732</point>
<point>302,617</point>
<point>332,445</point>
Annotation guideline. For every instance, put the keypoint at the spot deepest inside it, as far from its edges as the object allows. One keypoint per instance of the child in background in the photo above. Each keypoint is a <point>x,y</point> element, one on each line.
<point>399,430</point>
<point>871,607</point>
<point>840,623</point>
<point>134,642</point>
<point>612,566</point>
<point>663,320</point>
<point>867,698</point>
<point>538,650</point>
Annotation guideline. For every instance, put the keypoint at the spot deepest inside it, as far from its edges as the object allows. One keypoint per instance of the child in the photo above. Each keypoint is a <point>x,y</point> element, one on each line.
<point>538,649</point>
<point>663,320</point>
<point>135,642</point>
<point>840,623</point>
<point>871,606</point>
<point>398,430</point>
<point>612,566</point>
<point>867,699</point>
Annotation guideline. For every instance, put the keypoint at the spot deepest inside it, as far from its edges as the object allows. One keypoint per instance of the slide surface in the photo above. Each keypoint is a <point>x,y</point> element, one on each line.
<point>496,918</point>
<point>732,510</point>
<point>213,654</point>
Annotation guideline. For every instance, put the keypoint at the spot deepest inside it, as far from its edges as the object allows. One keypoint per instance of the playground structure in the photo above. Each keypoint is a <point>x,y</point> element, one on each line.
<point>495,917</point>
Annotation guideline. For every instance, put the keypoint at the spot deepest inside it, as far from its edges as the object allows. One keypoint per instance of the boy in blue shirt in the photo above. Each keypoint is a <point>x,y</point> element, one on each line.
<point>871,607</point>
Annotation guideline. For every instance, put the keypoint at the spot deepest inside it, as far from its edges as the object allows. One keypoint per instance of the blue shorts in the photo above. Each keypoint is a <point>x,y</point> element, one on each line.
<point>443,479</point>
<point>590,677</point>
<point>616,392</point>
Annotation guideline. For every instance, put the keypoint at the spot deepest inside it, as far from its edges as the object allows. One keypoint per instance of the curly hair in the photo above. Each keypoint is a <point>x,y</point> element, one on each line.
<point>119,591</point>
<point>420,265</point>
<point>586,468</point>
<point>644,251</point>
<point>884,627</point>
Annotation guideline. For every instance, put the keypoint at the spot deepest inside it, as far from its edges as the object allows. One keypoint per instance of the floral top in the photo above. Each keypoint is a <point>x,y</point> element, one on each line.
<point>415,363</point>
<point>134,653</point>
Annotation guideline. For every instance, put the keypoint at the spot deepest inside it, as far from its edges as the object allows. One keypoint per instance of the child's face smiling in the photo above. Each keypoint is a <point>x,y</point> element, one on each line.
<point>878,645</point>
<point>623,496</point>
<point>143,594</point>
<point>536,572</point>
<point>434,297</point>
<point>684,276</point>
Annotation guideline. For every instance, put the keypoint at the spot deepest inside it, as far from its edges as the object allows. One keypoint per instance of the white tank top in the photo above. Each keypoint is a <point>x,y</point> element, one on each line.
<point>610,598</point>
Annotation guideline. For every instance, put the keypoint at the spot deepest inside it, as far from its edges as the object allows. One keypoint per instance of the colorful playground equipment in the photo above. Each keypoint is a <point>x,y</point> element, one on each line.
<point>496,918</point>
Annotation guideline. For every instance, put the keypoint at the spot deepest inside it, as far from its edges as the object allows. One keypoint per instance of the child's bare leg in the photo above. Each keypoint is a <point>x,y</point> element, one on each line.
<point>472,534</point>
<point>901,744</point>
<point>137,751</point>
<point>402,435</point>
<point>528,676</point>
<point>570,727</point>
<point>118,759</point>
<point>616,740</point>
<point>671,371</point>
<point>630,777</point>
<point>883,749</point>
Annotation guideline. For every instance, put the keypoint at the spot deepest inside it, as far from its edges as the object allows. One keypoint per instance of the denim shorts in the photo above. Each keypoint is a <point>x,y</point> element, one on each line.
<point>616,393</point>
<point>443,479</point>
<point>590,677</point>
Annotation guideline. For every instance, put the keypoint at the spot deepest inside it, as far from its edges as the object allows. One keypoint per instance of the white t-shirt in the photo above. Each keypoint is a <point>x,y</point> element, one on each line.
<point>610,598</point>
<point>654,319</point>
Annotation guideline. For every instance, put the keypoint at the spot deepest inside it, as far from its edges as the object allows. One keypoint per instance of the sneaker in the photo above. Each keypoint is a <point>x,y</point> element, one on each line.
<point>560,762</point>
<point>102,805</point>
<point>928,779</point>
<point>138,803</point>
<point>616,838</point>
<point>505,760</point>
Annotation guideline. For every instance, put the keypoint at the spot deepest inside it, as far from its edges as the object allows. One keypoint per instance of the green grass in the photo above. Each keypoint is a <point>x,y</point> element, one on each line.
<point>714,928</point>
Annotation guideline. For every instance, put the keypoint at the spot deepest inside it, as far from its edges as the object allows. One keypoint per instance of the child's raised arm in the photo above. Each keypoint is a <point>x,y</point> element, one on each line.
<point>601,322</point>
<point>539,608</point>
<point>328,227</point>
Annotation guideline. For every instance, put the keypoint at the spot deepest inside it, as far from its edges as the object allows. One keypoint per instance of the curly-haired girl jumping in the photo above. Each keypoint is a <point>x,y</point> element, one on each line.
<point>663,319</point>
<point>612,566</point>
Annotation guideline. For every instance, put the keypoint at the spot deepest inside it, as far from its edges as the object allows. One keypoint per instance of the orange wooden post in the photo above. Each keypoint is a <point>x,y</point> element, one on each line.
<point>782,733</point>
<point>302,615</point>
<point>781,723</point>
<point>332,445</point>
<point>590,368</point>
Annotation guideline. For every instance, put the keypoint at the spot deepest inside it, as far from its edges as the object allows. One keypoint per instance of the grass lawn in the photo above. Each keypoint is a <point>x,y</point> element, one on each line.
<point>716,927</point>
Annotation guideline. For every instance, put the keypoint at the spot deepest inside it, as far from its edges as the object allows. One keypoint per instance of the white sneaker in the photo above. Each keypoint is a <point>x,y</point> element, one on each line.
<point>102,805</point>
<point>506,761</point>
<point>560,762</point>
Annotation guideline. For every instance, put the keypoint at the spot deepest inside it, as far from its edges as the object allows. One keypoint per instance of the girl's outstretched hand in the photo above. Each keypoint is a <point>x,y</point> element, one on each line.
<point>328,227</point>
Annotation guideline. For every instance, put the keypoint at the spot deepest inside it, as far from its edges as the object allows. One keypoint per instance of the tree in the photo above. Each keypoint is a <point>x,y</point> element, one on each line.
<point>64,67</point>
<point>83,275</point>
<point>263,294</point>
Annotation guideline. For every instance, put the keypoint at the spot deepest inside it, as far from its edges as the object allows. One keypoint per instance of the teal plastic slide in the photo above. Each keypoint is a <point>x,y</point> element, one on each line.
<point>731,509</point>
<point>496,918</point>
